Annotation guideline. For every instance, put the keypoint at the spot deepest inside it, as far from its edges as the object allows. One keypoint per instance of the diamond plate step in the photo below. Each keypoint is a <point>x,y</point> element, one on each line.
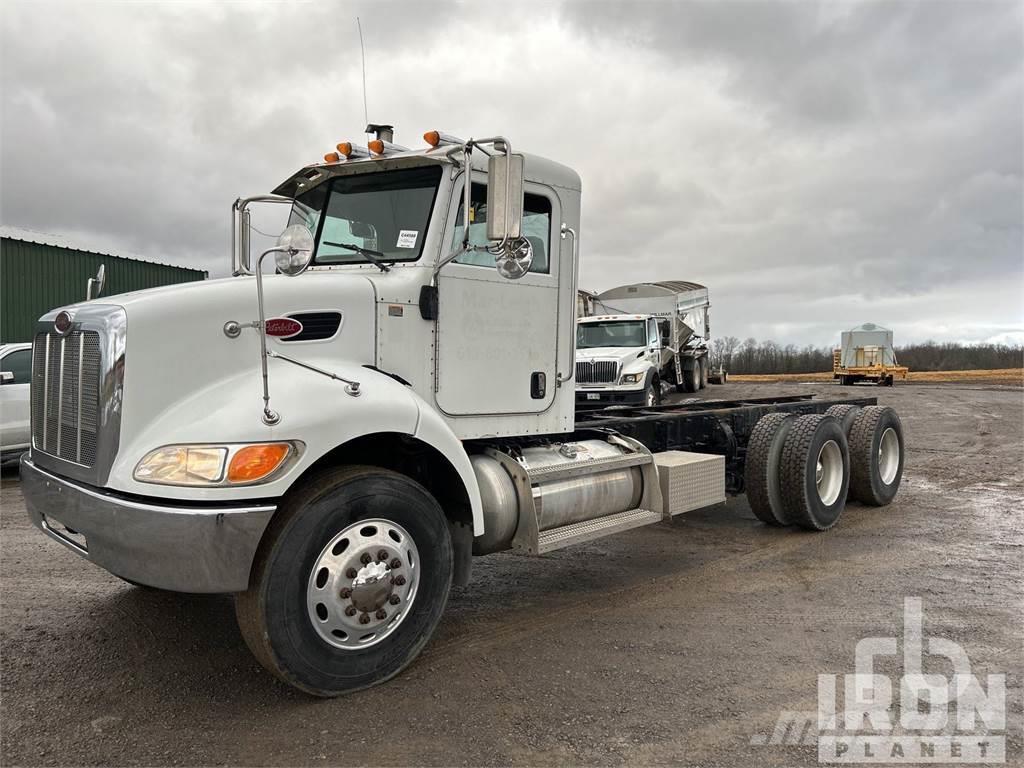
<point>577,533</point>
<point>587,467</point>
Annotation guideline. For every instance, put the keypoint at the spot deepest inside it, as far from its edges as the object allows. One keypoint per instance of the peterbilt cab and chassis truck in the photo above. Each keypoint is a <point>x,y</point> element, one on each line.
<point>335,442</point>
<point>639,336</point>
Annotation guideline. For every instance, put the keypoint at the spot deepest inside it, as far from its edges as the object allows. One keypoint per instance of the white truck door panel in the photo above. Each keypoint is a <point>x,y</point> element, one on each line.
<point>493,335</point>
<point>496,337</point>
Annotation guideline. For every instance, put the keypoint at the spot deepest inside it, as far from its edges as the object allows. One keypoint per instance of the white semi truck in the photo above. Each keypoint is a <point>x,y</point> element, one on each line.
<point>639,336</point>
<point>334,443</point>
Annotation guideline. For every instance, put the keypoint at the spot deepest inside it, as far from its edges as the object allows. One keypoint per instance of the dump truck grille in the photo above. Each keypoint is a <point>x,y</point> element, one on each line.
<point>66,394</point>
<point>596,371</point>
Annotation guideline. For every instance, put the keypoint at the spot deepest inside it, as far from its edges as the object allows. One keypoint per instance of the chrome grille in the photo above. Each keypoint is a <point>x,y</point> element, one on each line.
<point>65,395</point>
<point>596,371</point>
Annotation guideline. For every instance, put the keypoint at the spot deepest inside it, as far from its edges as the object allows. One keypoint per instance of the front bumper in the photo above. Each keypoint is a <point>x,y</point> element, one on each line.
<point>183,549</point>
<point>605,397</point>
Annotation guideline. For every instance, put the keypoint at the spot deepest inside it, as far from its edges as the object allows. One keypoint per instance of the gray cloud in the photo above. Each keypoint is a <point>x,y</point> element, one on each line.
<point>817,165</point>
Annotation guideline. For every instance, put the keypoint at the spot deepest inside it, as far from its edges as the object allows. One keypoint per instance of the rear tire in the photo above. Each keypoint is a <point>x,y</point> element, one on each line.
<point>308,547</point>
<point>876,455</point>
<point>814,472</point>
<point>703,372</point>
<point>691,377</point>
<point>845,414</point>
<point>761,473</point>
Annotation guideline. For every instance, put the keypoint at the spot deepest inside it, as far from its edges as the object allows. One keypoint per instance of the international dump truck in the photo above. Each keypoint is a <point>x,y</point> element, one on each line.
<point>639,336</point>
<point>334,442</point>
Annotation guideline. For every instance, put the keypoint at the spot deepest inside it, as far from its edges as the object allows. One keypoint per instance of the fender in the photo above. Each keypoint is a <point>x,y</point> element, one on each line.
<point>434,431</point>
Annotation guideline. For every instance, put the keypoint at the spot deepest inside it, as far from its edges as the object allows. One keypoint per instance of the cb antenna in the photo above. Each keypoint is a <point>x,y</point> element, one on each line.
<point>362,51</point>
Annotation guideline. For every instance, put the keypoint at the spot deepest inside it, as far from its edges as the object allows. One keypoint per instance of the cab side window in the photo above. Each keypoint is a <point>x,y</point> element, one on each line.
<point>653,338</point>
<point>536,228</point>
<point>20,364</point>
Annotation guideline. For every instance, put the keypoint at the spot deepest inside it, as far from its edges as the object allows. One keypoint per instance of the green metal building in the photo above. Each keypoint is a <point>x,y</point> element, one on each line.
<point>39,272</point>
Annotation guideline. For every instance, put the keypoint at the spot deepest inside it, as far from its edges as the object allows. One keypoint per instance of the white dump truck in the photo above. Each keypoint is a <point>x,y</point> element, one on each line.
<point>639,336</point>
<point>333,443</point>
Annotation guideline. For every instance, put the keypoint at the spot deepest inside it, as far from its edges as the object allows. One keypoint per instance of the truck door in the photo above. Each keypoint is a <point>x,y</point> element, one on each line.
<point>497,339</point>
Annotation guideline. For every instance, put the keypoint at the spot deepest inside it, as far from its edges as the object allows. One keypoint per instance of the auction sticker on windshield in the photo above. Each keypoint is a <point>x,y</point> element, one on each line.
<point>407,238</point>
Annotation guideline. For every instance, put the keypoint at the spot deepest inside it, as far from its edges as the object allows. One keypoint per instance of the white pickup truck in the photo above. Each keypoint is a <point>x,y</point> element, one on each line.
<point>334,443</point>
<point>639,336</point>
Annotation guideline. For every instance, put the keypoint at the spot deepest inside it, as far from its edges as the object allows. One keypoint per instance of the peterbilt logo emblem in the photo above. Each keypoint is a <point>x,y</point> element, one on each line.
<point>62,323</point>
<point>282,327</point>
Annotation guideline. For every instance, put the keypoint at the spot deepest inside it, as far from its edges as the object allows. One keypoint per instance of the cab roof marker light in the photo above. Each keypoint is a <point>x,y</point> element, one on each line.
<point>350,151</point>
<point>437,138</point>
<point>332,157</point>
<point>379,147</point>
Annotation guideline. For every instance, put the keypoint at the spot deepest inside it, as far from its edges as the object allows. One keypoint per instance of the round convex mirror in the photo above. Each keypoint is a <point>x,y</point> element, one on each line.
<point>296,243</point>
<point>514,262</point>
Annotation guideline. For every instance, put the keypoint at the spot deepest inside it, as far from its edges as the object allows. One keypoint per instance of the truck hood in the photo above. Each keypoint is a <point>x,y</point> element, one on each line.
<point>620,354</point>
<point>176,346</point>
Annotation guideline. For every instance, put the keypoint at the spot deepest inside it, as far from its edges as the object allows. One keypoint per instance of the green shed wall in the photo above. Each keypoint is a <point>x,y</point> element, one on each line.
<point>35,278</point>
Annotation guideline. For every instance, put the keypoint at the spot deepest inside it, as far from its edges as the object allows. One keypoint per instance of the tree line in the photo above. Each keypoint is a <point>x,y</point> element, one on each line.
<point>752,356</point>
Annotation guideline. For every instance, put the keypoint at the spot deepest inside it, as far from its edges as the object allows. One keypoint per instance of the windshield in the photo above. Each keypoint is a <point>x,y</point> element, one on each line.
<point>613,333</point>
<point>385,213</point>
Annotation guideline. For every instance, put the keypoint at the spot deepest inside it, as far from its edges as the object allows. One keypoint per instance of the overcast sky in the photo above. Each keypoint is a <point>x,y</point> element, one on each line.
<point>815,165</point>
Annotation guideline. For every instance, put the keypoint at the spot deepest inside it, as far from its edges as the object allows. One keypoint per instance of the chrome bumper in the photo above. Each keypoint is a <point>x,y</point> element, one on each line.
<point>183,549</point>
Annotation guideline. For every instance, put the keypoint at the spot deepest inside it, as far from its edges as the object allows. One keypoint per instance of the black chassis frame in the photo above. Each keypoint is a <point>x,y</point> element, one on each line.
<point>702,426</point>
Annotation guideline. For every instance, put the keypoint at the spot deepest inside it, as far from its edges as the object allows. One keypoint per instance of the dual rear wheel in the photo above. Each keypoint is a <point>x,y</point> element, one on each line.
<point>800,469</point>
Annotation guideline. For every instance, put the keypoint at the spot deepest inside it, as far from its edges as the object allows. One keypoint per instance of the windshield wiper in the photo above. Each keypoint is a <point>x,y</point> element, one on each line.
<point>374,257</point>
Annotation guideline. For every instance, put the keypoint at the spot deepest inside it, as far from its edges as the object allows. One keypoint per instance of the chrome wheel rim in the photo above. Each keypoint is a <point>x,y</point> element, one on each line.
<point>888,456</point>
<point>363,584</point>
<point>828,473</point>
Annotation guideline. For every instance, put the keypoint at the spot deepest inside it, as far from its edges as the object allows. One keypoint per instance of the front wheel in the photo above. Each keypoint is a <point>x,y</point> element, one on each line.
<point>652,394</point>
<point>349,583</point>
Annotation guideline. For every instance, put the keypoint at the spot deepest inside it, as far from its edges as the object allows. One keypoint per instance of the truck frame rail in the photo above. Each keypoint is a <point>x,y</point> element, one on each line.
<point>703,426</point>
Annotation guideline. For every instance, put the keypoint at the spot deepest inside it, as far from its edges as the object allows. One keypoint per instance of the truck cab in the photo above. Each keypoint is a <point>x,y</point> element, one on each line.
<point>638,337</point>
<point>333,438</point>
<point>620,359</point>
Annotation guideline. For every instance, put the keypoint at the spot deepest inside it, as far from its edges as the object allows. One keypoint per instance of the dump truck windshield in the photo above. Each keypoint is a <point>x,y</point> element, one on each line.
<point>613,333</point>
<point>385,213</point>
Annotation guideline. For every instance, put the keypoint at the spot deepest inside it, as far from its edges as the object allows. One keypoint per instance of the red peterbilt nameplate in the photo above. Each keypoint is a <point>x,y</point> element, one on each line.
<point>283,327</point>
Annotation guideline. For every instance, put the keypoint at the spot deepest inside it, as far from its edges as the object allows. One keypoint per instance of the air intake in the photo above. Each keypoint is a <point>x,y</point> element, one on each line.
<point>316,326</point>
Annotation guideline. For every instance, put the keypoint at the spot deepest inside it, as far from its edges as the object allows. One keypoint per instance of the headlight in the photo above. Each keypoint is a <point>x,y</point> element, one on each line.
<point>632,378</point>
<point>213,465</point>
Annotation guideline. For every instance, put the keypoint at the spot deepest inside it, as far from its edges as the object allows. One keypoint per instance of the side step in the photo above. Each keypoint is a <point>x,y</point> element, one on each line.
<point>577,533</point>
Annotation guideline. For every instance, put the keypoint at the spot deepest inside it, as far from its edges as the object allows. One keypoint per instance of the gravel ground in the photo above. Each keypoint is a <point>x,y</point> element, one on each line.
<point>671,644</point>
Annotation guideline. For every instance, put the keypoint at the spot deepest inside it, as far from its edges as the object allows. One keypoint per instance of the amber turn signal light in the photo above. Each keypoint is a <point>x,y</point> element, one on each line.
<point>254,462</point>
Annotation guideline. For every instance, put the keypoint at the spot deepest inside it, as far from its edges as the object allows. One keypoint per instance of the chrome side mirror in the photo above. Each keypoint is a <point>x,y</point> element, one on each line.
<point>504,197</point>
<point>94,286</point>
<point>515,259</point>
<point>294,250</point>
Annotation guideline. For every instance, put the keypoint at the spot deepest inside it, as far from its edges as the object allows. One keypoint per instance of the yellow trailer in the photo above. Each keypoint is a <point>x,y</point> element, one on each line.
<point>868,367</point>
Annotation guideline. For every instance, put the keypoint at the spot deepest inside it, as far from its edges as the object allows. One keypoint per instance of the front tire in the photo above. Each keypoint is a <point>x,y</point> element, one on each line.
<point>652,392</point>
<point>349,582</point>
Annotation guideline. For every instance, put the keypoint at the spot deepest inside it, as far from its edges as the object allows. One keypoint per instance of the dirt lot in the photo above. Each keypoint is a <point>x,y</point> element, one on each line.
<point>672,644</point>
